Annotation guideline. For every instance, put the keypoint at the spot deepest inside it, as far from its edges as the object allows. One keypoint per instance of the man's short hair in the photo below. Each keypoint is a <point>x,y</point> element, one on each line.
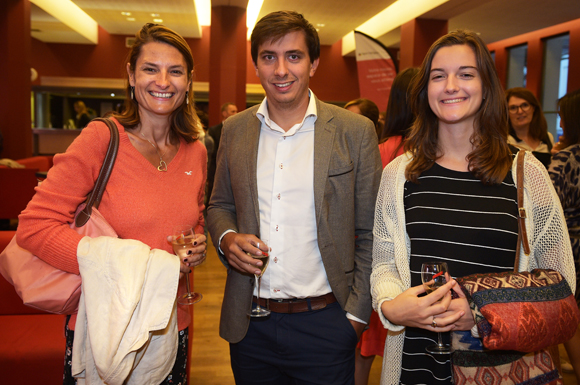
<point>276,25</point>
<point>226,105</point>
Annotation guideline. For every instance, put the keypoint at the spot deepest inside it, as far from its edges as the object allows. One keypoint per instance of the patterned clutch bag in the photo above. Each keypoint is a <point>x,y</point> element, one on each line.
<point>525,311</point>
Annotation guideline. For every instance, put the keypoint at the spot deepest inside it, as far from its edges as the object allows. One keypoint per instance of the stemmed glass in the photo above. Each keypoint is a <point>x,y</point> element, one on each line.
<point>182,239</point>
<point>434,275</point>
<point>259,311</point>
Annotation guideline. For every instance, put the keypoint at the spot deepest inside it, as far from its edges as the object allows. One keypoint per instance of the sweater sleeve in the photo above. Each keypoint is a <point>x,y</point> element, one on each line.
<point>550,242</point>
<point>44,226</point>
<point>386,280</point>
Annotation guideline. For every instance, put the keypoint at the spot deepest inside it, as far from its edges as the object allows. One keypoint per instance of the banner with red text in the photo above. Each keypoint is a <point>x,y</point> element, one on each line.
<point>376,69</point>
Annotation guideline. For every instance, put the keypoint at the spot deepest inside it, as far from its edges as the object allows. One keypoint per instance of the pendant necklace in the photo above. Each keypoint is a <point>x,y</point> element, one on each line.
<point>162,165</point>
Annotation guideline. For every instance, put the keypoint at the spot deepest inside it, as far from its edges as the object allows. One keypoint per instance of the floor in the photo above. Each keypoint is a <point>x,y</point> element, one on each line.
<point>210,363</point>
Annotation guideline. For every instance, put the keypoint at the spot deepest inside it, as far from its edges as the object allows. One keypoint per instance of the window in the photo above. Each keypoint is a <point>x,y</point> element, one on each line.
<point>517,66</point>
<point>555,79</point>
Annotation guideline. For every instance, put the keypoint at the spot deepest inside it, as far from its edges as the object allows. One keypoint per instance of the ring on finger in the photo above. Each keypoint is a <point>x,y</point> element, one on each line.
<point>434,323</point>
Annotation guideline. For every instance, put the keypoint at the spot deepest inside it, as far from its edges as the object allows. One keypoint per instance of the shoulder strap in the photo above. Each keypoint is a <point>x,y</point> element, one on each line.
<point>94,198</point>
<point>522,232</point>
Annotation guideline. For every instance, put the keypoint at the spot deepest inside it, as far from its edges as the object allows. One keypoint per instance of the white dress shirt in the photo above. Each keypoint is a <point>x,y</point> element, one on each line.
<point>285,174</point>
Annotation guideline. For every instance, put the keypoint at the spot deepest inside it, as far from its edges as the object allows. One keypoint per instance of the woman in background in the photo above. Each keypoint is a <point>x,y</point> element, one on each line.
<point>452,198</point>
<point>528,128</point>
<point>399,117</point>
<point>157,181</point>
<point>82,117</point>
<point>368,108</point>
<point>565,174</point>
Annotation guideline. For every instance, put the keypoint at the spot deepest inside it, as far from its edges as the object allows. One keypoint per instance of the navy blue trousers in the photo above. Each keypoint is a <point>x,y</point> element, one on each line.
<point>315,347</point>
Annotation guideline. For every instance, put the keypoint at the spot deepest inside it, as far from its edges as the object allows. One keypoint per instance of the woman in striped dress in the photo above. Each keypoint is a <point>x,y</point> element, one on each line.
<point>452,198</point>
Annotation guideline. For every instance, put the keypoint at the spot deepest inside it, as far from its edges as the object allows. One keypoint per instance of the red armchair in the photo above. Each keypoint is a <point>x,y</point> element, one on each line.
<point>32,343</point>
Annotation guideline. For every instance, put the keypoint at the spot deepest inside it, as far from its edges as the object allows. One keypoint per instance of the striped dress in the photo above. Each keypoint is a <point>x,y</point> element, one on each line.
<point>452,217</point>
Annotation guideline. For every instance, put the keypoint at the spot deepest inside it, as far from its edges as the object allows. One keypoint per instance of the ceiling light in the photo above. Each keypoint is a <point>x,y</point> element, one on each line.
<point>112,94</point>
<point>72,16</point>
<point>130,19</point>
<point>203,13</point>
<point>158,20</point>
<point>155,15</point>
<point>252,13</point>
<point>320,25</point>
<point>126,13</point>
<point>390,18</point>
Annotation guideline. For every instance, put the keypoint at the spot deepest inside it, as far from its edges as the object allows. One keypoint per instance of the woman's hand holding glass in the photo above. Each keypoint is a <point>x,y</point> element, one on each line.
<point>190,248</point>
<point>408,309</point>
<point>193,255</point>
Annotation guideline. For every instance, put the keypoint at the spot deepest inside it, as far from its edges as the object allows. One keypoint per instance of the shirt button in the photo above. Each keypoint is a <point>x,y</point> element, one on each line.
<point>276,227</point>
<point>281,166</point>
<point>275,259</point>
<point>278,196</point>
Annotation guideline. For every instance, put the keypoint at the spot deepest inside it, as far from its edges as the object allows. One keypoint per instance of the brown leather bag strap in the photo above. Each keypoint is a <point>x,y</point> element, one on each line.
<point>94,198</point>
<point>522,232</point>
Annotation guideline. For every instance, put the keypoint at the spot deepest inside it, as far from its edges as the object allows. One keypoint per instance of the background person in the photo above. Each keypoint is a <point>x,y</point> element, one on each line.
<point>399,117</point>
<point>215,132</point>
<point>459,164</point>
<point>158,179</point>
<point>82,115</point>
<point>301,176</point>
<point>564,172</point>
<point>528,128</point>
<point>368,108</point>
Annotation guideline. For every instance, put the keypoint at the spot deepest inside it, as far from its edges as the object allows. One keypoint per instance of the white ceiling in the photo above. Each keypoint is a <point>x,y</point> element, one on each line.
<point>493,19</point>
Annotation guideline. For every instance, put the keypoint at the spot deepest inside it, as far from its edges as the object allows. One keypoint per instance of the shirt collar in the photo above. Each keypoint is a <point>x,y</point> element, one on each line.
<point>311,111</point>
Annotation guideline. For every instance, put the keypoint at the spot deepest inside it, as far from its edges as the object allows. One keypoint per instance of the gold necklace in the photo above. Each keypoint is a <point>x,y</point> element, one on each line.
<point>162,165</point>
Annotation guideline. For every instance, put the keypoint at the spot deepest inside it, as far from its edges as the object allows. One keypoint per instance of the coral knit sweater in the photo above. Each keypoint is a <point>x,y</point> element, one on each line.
<point>139,201</point>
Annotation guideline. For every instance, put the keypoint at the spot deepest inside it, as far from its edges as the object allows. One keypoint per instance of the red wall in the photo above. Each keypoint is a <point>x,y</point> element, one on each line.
<point>336,79</point>
<point>535,43</point>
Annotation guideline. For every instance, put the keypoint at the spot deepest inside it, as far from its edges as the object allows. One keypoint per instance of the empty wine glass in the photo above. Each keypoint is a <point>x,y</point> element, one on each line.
<point>182,239</point>
<point>434,275</point>
<point>259,311</point>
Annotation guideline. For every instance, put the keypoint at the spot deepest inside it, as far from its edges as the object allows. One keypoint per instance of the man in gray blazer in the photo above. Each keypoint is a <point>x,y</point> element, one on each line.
<point>296,179</point>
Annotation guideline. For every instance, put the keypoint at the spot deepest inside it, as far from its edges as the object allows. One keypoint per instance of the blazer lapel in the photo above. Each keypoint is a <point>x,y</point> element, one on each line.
<point>324,132</point>
<point>251,150</point>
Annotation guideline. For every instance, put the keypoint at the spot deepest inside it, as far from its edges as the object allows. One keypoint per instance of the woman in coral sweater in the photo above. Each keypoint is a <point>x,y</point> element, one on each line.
<point>157,182</point>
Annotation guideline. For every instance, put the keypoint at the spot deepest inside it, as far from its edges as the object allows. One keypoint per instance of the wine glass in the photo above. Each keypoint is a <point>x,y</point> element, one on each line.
<point>259,311</point>
<point>434,275</point>
<point>181,240</point>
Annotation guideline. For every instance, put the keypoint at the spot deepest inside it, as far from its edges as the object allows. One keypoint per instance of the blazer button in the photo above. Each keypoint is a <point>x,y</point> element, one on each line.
<point>251,281</point>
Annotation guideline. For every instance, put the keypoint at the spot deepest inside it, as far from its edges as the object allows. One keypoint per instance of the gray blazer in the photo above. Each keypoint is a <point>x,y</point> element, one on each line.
<point>347,173</point>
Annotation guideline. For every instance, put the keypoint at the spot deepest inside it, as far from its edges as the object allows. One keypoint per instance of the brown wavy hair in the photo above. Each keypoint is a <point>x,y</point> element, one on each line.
<point>538,126</point>
<point>569,109</point>
<point>184,122</point>
<point>367,108</point>
<point>491,158</point>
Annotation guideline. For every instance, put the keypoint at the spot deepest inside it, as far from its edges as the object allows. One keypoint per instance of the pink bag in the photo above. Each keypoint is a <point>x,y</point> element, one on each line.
<point>39,284</point>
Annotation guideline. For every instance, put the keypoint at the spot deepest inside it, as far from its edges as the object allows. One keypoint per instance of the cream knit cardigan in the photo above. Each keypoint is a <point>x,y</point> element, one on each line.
<point>547,232</point>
